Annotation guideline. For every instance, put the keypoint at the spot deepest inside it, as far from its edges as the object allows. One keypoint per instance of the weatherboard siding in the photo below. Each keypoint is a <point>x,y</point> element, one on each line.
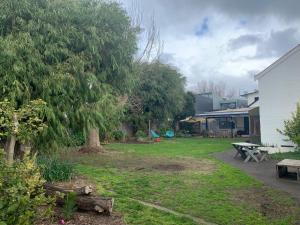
<point>279,93</point>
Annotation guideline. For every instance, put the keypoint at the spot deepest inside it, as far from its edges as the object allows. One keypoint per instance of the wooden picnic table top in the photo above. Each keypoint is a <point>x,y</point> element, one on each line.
<point>245,144</point>
<point>289,162</point>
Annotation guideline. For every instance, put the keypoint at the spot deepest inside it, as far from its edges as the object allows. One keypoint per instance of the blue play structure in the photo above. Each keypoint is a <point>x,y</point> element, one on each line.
<point>170,134</point>
<point>154,134</point>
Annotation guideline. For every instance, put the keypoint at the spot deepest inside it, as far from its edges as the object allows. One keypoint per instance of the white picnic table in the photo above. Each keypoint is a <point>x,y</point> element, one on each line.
<point>249,151</point>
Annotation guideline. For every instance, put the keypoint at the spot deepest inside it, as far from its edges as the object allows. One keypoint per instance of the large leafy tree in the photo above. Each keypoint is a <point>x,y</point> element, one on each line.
<point>75,55</point>
<point>158,95</point>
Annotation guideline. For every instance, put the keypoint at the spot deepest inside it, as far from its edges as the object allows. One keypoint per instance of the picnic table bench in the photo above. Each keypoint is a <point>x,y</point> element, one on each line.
<point>283,166</point>
<point>247,151</point>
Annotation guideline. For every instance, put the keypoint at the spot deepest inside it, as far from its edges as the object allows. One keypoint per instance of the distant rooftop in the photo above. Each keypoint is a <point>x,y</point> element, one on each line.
<point>227,112</point>
<point>249,93</point>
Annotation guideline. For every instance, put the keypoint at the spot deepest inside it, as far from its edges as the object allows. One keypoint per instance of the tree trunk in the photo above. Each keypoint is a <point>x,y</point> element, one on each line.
<point>10,151</point>
<point>93,140</point>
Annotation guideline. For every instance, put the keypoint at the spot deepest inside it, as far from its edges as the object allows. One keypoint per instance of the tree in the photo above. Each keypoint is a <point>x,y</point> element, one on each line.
<point>75,55</point>
<point>217,87</point>
<point>188,107</point>
<point>292,127</point>
<point>158,95</point>
<point>20,124</point>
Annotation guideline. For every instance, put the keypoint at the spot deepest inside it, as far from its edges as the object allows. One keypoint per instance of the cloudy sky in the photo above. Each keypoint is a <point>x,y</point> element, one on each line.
<point>229,40</point>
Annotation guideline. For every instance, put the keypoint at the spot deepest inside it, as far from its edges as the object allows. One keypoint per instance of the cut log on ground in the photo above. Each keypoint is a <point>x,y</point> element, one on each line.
<point>84,201</point>
<point>51,189</point>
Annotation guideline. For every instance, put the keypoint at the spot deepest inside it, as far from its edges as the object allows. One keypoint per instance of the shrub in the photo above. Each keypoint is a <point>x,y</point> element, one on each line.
<point>76,139</point>
<point>118,135</point>
<point>292,127</point>
<point>21,193</point>
<point>140,134</point>
<point>54,169</point>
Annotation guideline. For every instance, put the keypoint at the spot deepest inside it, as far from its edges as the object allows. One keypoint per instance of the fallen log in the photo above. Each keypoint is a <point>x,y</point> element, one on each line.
<point>84,201</point>
<point>51,189</point>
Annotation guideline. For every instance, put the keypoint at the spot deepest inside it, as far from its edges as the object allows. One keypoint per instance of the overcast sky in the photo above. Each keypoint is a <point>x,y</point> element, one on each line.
<point>228,40</point>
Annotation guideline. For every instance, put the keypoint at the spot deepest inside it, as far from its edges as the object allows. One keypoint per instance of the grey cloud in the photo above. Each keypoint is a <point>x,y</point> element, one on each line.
<point>244,40</point>
<point>278,43</point>
<point>178,12</point>
<point>166,58</point>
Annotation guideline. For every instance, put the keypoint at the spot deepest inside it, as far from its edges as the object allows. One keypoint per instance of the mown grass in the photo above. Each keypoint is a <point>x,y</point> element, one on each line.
<point>287,155</point>
<point>210,196</point>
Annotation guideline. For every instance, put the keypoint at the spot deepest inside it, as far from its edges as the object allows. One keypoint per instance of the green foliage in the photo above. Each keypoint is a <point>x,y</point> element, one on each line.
<point>54,169</point>
<point>292,127</point>
<point>189,106</point>
<point>118,135</point>
<point>158,95</point>
<point>69,205</point>
<point>76,55</point>
<point>25,122</point>
<point>76,139</point>
<point>140,134</point>
<point>21,193</point>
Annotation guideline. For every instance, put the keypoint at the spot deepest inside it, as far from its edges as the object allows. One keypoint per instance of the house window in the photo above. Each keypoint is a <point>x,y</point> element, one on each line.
<point>226,123</point>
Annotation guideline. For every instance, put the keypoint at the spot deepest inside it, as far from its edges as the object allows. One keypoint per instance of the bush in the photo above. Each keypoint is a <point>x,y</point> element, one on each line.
<point>118,135</point>
<point>21,193</point>
<point>140,134</point>
<point>76,139</point>
<point>292,127</point>
<point>54,169</point>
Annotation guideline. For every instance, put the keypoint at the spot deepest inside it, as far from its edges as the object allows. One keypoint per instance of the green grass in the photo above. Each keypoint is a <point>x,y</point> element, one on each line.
<point>287,155</point>
<point>214,196</point>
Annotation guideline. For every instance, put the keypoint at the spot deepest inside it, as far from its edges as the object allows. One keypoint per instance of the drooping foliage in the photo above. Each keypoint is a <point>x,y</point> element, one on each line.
<point>158,95</point>
<point>75,55</point>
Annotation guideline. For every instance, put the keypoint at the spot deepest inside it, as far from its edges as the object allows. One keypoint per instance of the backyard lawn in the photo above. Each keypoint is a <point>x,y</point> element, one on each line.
<point>182,177</point>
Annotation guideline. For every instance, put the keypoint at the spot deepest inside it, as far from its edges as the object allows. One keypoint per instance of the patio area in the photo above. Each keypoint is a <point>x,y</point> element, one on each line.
<point>264,171</point>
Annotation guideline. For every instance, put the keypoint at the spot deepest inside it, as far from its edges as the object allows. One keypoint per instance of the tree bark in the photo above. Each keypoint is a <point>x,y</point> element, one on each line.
<point>93,140</point>
<point>10,149</point>
<point>52,189</point>
<point>12,141</point>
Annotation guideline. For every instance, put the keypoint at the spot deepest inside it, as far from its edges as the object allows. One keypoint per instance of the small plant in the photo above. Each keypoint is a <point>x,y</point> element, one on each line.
<point>21,192</point>
<point>292,127</point>
<point>140,135</point>
<point>69,206</point>
<point>118,135</point>
<point>53,169</point>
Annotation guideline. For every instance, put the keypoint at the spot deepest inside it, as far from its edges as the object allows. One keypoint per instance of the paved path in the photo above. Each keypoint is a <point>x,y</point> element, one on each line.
<point>264,171</point>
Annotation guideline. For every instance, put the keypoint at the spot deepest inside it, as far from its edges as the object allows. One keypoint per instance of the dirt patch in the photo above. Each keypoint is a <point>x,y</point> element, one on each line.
<point>265,201</point>
<point>83,218</point>
<point>169,167</point>
<point>134,162</point>
<point>89,150</point>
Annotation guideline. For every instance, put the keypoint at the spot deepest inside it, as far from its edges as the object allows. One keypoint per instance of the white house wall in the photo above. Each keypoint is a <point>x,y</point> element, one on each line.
<point>279,93</point>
